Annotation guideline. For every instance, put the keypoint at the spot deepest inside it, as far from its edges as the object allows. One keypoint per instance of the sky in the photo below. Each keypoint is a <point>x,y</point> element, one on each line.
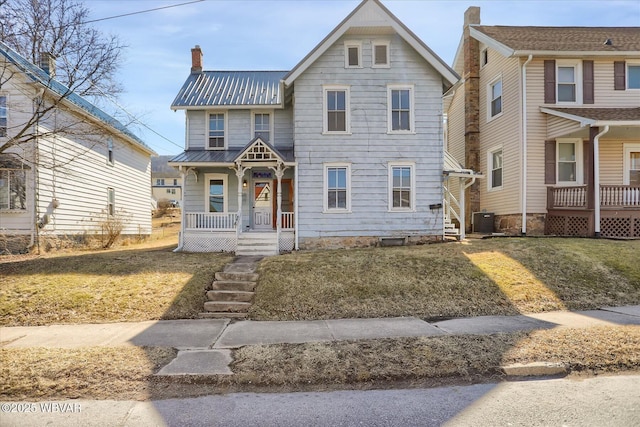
<point>277,34</point>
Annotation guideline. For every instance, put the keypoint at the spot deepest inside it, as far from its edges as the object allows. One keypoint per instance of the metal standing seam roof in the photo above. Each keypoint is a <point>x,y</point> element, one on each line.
<point>230,88</point>
<point>38,75</point>
<point>221,156</point>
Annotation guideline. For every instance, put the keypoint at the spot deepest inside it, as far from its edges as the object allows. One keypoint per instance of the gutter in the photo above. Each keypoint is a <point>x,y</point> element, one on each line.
<point>596,178</point>
<point>524,146</point>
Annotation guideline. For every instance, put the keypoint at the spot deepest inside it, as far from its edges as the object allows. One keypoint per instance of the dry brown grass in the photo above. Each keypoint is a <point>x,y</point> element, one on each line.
<point>96,373</point>
<point>130,283</point>
<point>482,277</point>
<point>121,373</point>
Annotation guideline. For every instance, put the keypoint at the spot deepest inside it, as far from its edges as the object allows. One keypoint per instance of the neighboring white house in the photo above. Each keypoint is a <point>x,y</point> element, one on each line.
<point>344,150</point>
<point>166,183</point>
<point>82,167</point>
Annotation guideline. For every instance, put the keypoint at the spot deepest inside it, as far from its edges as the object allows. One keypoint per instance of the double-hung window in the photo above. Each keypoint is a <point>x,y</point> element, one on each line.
<point>262,126</point>
<point>494,161</point>
<point>401,187</point>
<point>337,183</point>
<point>569,163</point>
<point>631,164</point>
<point>633,75</point>
<point>380,54</point>
<point>3,115</point>
<point>336,109</point>
<point>13,191</point>
<point>568,82</point>
<point>216,131</point>
<point>495,98</point>
<point>401,112</point>
<point>216,191</point>
<point>110,158</point>
<point>111,201</point>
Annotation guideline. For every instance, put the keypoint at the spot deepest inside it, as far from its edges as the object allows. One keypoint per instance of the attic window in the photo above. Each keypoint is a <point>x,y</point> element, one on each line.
<point>380,54</point>
<point>484,57</point>
<point>352,55</point>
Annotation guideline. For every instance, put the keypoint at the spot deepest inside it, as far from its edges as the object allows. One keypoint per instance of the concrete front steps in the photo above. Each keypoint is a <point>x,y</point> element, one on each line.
<point>232,290</point>
<point>256,243</point>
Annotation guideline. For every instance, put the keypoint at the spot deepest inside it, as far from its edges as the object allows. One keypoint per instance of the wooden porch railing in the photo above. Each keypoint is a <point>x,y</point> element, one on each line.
<point>211,221</point>
<point>287,221</point>
<point>611,196</point>
<point>625,196</point>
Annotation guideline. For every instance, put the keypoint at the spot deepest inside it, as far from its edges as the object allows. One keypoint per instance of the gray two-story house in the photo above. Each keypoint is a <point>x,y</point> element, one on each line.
<point>343,150</point>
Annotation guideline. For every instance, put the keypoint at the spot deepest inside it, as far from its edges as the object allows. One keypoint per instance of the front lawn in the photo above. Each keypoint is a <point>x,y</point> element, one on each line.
<point>128,284</point>
<point>480,277</point>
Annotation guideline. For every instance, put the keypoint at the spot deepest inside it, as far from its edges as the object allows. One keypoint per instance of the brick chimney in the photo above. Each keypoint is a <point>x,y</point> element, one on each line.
<point>47,62</point>
<point>196,59</point>
<point>471,77</point>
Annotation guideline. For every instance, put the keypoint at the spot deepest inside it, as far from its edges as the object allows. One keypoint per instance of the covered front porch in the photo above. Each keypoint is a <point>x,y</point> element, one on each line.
<point>592,160</point>
<point>241,201</point>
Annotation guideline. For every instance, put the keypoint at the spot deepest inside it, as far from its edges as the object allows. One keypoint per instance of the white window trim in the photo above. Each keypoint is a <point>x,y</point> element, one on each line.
<point>577,64</point>
<point>226,130</point>
<point>628,148</point>
<point>375,43</point>
<point>347,102</point>
<point>484,57</point>
<point>626,74</point>
<point>412,113</point>
<point>325,188</point>
<point>490,187</point>
<point>489,98</point>
<point>579,162</point>
<point>225,190</point>
<point>271,121</point>
<point>348,44</point>
<point>111,157</point>
<point>6,96</point>
<point>390,167</point>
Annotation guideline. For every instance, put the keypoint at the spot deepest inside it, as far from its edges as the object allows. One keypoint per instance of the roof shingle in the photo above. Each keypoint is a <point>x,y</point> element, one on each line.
<point>565,39</point>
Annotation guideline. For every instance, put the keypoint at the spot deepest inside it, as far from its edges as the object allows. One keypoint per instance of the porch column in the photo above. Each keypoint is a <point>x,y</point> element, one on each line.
<point>596,178</point>
<point>279,171</point>
<point>240,174</point>
<point>183,176</point>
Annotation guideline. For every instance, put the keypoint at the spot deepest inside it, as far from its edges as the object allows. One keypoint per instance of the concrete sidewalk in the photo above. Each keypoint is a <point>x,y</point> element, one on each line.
<point>205,345</point>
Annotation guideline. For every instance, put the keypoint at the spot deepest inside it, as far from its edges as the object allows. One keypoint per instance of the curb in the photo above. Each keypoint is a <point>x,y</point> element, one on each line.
<point>535,369</point>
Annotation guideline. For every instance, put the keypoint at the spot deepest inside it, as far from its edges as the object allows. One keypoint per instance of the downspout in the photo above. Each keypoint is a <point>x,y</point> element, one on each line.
<point>37,101</point>
<point>596,178</point>
<point>296,215</point>
<point>524,145</point>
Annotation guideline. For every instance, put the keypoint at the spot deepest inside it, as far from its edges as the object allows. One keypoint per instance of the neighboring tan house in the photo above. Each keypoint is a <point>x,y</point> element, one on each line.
<point>551,115</point>
<point>344,150</point>
<point>166,183</point>
<point>81,168</point>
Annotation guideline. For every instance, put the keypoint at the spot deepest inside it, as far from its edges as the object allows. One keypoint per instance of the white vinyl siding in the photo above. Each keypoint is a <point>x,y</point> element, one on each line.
<point>370,146</point>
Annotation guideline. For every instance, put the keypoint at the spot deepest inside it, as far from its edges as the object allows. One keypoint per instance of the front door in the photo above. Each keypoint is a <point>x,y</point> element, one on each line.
<point>262,205</point>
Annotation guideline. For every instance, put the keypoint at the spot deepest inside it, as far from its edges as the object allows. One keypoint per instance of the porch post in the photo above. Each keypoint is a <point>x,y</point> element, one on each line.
<point>183,176</point>
<point>596,176</point>
<point>279,171</point>
<point>240,174</point>
<point>463,216</point>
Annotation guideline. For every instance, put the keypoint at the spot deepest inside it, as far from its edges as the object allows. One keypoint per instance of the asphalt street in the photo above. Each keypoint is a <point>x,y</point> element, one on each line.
<point>593,401</point>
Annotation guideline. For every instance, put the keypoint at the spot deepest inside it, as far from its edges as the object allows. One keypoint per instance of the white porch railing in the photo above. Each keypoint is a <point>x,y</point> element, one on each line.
<point>210,221</point>
<point>287,221</point>
<point>568,197</point>
<point>620,196</point>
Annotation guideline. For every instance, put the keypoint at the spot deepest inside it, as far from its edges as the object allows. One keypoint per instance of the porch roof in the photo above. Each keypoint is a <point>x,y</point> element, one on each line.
<point>203,157</point>
<point>598,116</point>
